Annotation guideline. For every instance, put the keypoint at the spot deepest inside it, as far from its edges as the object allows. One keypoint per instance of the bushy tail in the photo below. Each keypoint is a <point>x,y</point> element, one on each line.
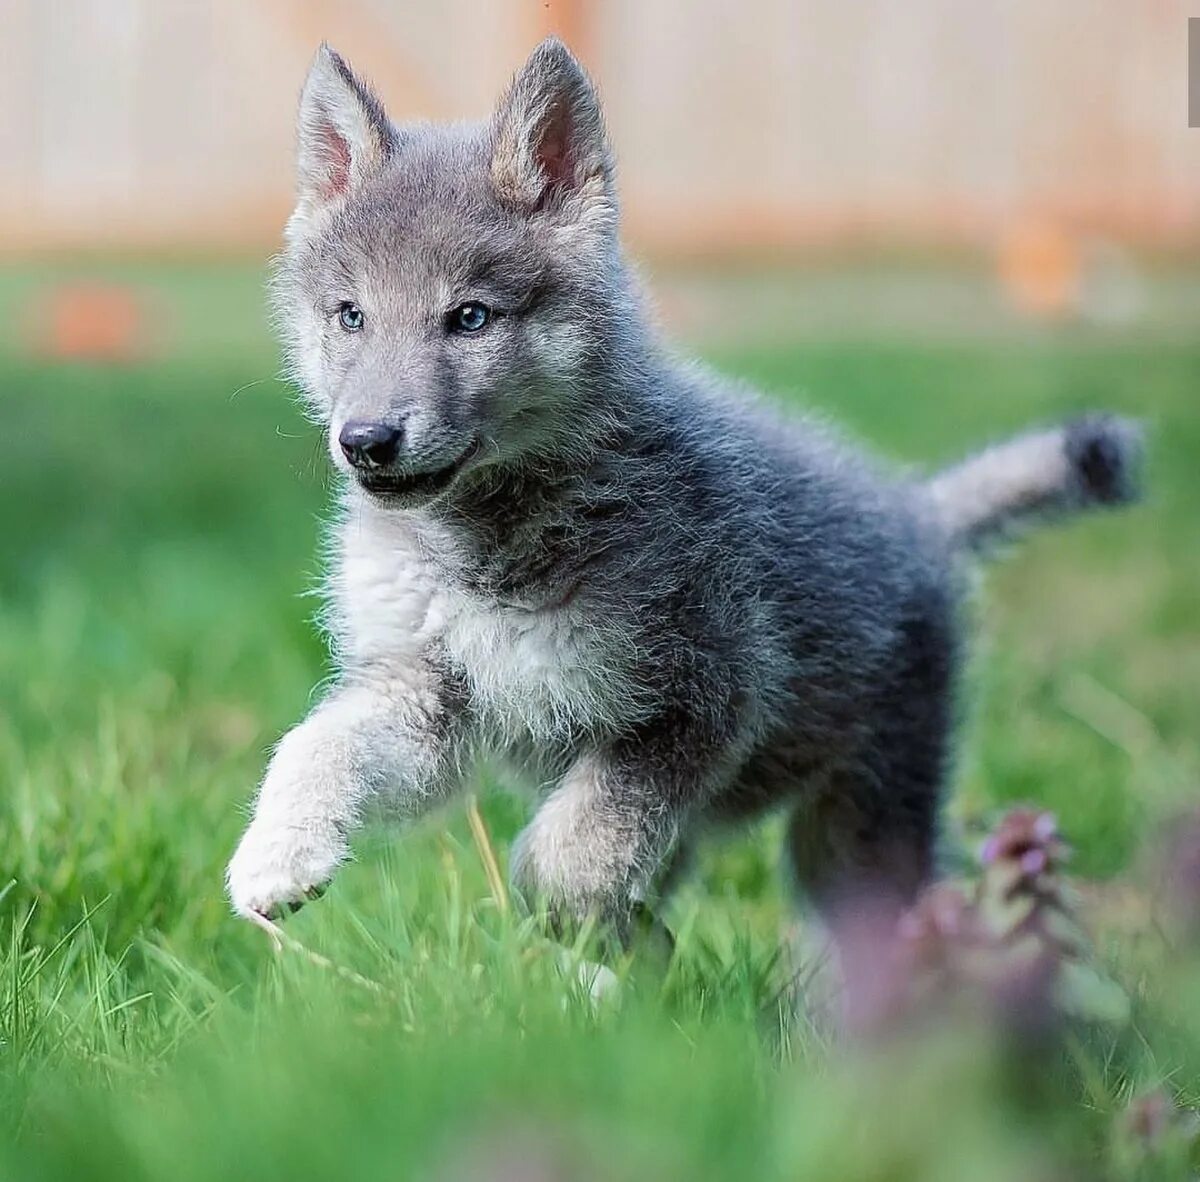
<point>1037,477</point>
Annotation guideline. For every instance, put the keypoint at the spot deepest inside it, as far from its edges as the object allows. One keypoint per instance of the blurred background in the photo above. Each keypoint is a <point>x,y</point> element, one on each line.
<point>1046,143</point>
<point>932,221</point>
<point>783,124</point>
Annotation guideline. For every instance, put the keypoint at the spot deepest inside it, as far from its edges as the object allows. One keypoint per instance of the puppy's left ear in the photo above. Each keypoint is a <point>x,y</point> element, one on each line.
<point>549,145</point>
<point>343,137</point>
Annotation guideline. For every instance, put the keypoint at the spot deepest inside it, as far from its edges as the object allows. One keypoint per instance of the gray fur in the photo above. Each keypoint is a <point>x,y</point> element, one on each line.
<point>1093,461</point>
<point>665,602</point>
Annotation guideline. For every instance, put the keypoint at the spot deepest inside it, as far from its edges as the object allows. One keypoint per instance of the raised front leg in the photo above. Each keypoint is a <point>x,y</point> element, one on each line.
<point>363,744</point>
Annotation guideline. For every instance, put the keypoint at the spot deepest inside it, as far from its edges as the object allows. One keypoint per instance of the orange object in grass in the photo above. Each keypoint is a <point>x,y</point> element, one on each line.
<point>1040,268</point>
<point>92,322</point>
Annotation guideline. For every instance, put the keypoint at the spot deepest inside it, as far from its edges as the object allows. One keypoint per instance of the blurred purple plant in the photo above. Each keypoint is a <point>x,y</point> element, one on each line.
<point>1180,878</point>
<point>1008,946</point>
<point>1154,1134</point>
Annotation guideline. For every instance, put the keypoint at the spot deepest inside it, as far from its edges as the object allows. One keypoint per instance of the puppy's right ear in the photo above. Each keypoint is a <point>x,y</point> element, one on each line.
<point>343,138</point>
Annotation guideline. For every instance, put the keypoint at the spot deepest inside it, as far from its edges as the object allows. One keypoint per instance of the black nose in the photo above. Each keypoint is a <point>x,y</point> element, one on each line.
<point>369,445</point>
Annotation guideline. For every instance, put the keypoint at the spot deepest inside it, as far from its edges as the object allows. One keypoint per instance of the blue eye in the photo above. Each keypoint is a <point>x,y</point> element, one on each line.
<point>470,317</point>
<point>350,317</point>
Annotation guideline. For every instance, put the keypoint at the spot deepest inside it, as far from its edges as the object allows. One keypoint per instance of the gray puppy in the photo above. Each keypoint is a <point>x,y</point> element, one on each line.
<point>562,548</point>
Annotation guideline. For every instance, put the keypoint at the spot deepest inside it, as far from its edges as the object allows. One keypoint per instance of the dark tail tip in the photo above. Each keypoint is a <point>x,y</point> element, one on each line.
<point>1105,453</point>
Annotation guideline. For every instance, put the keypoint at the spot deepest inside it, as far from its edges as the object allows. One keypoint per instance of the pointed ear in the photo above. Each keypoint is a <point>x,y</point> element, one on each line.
<point>343,137</point>
<point>549,144</point>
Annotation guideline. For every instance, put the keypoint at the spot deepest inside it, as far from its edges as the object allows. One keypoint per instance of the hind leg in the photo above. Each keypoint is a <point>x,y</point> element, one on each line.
<point>862,844</point>
<point>869,831</point>
<point>869,828</point>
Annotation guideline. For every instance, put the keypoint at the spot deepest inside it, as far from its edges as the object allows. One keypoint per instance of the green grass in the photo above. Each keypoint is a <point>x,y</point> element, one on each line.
<point>160,526</point>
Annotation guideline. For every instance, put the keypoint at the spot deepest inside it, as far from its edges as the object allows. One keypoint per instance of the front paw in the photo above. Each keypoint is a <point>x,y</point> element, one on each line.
<point>275,870</point>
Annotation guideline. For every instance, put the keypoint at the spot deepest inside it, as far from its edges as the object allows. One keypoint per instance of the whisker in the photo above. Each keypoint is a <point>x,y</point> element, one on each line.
<point>248,385</point>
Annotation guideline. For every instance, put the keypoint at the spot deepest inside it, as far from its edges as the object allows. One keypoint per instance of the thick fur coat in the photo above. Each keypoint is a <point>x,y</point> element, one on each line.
<point>560,547</point>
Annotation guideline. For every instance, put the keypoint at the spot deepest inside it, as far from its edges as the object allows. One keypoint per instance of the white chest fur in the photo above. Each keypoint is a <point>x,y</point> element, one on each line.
<point>543,673</point>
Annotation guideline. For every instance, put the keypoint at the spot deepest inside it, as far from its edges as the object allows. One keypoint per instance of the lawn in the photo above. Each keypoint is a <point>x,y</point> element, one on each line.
<point>161,522</point>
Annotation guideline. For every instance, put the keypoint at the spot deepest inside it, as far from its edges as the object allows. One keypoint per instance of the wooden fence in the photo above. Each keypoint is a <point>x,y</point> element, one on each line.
<point>765,125</point>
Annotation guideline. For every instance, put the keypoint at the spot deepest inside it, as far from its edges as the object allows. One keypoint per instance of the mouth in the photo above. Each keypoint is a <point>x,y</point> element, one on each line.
<point>394,486</point>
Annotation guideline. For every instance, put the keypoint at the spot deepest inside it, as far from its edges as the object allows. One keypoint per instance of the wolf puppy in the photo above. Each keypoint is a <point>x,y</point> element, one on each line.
<point>561,548</point>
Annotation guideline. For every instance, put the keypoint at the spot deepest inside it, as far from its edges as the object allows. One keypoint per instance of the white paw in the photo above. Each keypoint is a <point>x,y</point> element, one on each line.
<point>598,983</point>
<point>276,869</point>
<point>602,984</point>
